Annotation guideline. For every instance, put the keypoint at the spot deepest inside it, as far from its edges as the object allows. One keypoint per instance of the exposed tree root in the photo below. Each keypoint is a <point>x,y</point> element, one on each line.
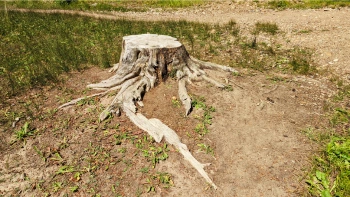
<point>145,61</point>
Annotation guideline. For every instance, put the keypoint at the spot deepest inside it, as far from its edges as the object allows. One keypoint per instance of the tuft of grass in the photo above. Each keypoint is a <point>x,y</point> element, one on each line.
<point>24,132</point>
<point>278,4</point>
<point>265,27</point>
<point>300,62</point>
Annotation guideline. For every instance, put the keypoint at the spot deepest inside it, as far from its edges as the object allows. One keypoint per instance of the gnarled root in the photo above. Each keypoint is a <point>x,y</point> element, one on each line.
<point>145,61</point>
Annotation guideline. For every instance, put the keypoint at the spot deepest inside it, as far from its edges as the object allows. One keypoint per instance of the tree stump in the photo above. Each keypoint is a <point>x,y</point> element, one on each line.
<point>145,61</point>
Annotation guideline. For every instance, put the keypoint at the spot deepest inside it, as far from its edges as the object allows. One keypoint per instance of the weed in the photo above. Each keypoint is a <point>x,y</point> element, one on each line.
<point>24,132</point>
<point>321,184</point>
<point>160,179</point>
<point>198,102</point>
<point>57,186</point>
<point>205,120</point>
<point>86,101</point>
<point>74,188</point>
<point>77,176</point>
<point>65,169</point>
<point>119,138</point>
<point>333,165</point>
<point>206,148</point>
<point>39,153</point>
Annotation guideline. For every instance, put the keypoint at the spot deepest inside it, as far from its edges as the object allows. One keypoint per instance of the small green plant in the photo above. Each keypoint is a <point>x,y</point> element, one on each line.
<point>57,186</point>
<point>65,169</point>
<point>121,137</point>
<point>74,188</point>
<point>156,154</point>
<point>24,132</point>
<point>320,184</point>
<point>331,175</point>
<point>206,148</point>
<point>205,120</point>
<point>228,88</point>
<point>77,176</point>
<point>144,170</point>
<point>39,153</point>
<point>86,101</point>
<point>160,179</point>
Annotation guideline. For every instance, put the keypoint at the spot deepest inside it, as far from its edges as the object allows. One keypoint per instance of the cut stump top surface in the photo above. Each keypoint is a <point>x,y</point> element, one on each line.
<point>151,41</point>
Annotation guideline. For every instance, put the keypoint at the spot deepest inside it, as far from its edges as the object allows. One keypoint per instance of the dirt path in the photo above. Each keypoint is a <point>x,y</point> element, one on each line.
<point>259,149</point>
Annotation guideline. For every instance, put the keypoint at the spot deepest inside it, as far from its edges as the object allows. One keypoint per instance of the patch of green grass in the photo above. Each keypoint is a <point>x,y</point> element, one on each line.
<point>331,173</point>
<point>159,179</point>
<point>265,27</point>
<point>172,3</point>
<point>115,5</point>
<point>206,148</point>
<point>205,120</point>
<point>56,186</point>
<point>300,62</point>
<point>340,116</point>
<point>65,169</point>
<point>153,153</point>
<point>81,5</point>
<point>305,4</point>
<point>343,93</point>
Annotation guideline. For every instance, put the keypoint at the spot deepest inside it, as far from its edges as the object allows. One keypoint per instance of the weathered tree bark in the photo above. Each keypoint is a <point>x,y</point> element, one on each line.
<point>145,61</point>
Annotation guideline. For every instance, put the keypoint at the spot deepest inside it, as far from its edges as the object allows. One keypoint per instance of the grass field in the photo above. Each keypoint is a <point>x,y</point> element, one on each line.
<point>114,5</point>
<point>37,48</point>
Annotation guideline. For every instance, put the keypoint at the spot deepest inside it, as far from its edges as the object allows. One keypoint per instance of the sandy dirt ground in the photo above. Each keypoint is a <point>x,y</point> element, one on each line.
<point>256,130</point>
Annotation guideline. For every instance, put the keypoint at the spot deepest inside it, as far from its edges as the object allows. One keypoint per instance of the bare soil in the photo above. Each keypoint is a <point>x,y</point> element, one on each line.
<point>256,131</point>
